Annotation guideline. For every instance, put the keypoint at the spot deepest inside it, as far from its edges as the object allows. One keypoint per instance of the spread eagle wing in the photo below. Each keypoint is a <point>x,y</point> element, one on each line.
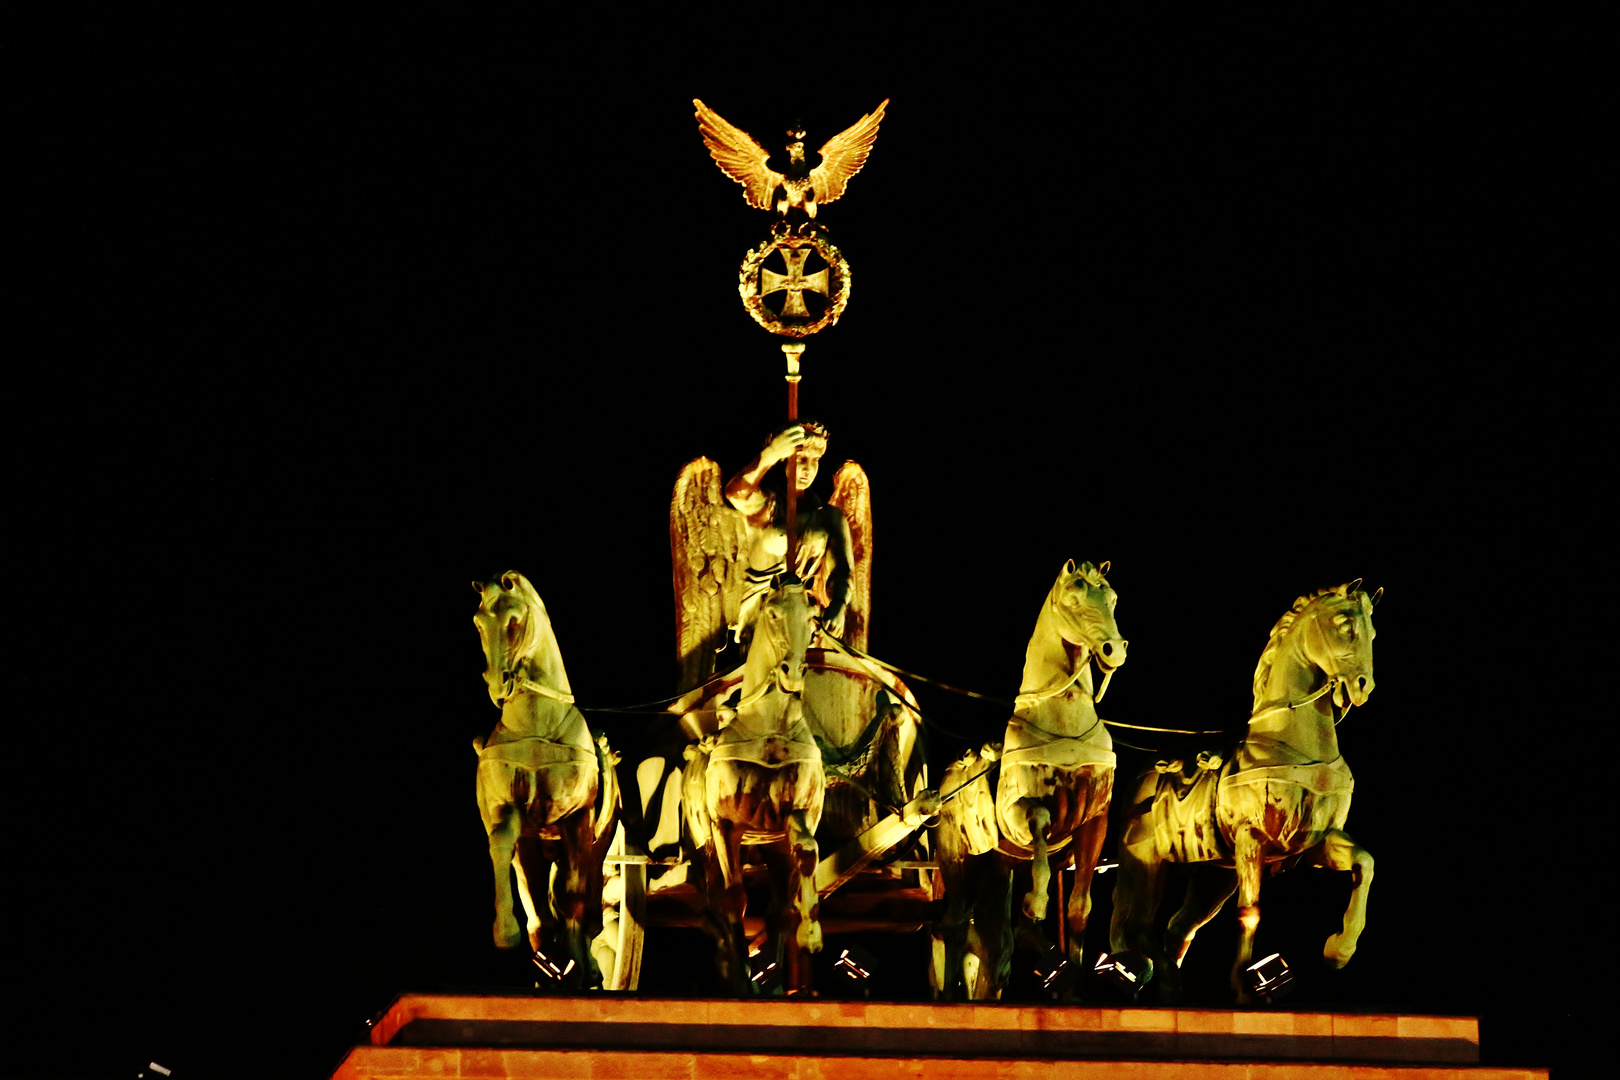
<point>708,548</point>
<point>852,494</point>
<point>740,157</point>
<point>843,155</point>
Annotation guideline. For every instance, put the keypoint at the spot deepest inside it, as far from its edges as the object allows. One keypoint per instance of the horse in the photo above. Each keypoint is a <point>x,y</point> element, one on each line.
<point>1056,778</point>
<point>541,778</point>
<point>865,722</point>
<point>759,781</point>
<point>1279,799</point>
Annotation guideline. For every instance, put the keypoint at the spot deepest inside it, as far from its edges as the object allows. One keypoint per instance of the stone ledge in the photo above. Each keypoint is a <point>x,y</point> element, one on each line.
<point>394,1063</point>
<point>793,1027</point>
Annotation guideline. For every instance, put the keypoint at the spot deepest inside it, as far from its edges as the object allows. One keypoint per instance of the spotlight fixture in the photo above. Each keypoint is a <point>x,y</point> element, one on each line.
<point>153,1069</point>
<point>548,967</point>
<point>1057,975</point>
<point>1270,977</point>
<point>857,966</point>
<point>768,979</point>
<point>1104,867</point>
<point>1127,972</point>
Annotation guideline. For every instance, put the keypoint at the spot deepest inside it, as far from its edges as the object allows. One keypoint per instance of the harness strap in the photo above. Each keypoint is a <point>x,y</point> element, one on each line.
<point>532,687</point>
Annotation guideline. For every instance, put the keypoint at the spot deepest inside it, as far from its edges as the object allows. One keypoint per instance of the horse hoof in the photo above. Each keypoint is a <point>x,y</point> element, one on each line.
<point>507,933</point>
<point>1035,906</point>
<point>809,936</point>
<point>1337,952</point>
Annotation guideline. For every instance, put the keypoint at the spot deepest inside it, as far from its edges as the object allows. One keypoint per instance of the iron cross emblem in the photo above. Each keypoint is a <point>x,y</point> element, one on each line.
<point>794,282</point>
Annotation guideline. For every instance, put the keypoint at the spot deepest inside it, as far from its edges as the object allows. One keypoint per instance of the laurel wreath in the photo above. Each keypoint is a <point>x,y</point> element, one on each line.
<point>838,280</point>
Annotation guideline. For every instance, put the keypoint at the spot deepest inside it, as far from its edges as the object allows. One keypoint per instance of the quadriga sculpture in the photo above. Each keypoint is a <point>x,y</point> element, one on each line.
<point>726,545</point>
<point>1281,798</point>
<point>545,789</point>
<point>760,782</point>
<point>1056,768</point>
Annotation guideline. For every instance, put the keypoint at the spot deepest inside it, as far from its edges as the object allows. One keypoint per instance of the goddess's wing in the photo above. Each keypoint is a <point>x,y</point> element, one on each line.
<point>852,494</point>
<point>738,156</point>
<point>708,548</point>
<point>843,155</point>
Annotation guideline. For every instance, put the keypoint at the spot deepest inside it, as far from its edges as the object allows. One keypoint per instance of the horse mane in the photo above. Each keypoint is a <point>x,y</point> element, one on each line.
<point>1262,670</point>
<point>1087,570</point>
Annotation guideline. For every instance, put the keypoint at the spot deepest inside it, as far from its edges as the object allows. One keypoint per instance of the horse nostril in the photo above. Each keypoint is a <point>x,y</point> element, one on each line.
<point>1108,648</point>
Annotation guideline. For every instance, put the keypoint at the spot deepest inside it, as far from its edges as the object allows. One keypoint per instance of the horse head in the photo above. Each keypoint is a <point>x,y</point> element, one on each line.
<point>782,633</point>
<point>1082,605</point>
<point>511,623</point>
<point>1338,639</point>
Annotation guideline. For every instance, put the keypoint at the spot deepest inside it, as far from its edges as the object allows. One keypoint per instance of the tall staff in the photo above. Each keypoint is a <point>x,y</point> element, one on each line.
<point>803,189</point>
<point>793,351</point>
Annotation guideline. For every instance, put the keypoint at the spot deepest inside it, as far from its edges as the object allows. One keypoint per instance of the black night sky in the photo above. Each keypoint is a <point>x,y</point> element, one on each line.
<point>357,315</point>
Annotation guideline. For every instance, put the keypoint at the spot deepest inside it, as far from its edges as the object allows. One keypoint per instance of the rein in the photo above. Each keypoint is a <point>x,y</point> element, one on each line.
<point>856,654</point>
<point>1333,680</point>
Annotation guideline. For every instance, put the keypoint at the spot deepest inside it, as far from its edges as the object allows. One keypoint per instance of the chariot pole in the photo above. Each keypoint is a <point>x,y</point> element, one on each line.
<point>793,351</point>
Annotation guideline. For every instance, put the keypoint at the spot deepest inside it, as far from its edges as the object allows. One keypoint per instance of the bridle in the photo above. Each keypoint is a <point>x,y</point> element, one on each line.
<point>1034,697</point>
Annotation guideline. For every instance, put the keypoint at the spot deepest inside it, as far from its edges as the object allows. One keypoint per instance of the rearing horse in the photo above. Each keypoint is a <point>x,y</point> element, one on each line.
<point>538,778</point>
<point>760,781</point>
<point>1057,775</point>
<point>1281,798</point>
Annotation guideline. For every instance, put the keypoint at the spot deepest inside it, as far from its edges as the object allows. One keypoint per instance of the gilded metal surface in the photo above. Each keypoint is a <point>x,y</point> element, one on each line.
<point>1056,777</point>
<point>1280,797</point>
<point>760,781</point>
<point>755,281</point>
<point>745,161</point>
<point>540,775</point>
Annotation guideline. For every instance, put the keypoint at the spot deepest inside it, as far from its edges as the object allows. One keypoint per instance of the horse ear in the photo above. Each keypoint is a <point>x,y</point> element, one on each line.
<point>1102,567</point>
<point>1068,568</point>
<point>477,588</point>
<point>1377,596</point>
<point>507,581</point>
<point>1354,586</point>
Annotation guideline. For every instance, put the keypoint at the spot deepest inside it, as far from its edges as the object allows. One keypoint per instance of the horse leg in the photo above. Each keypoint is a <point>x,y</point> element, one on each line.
<point>1040,821</point>
<point>781,923</point>
<point>957,867</point>
<point>1087,850</point>
<point>529,862</point>
<point>576,897</point>
<point>803,856</point>
<point>1207,891</point>
<point>1246,856</point>
<point>503,837</point>
<point>731,903</point>
<point>1136,902</point>
<point>992,919</point>
<point>1342,853</point>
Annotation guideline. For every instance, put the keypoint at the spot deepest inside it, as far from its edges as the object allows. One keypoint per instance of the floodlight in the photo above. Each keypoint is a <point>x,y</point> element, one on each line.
<point>548,967</point>
<point>768,979</point>
<point>1104,867</point>
<point>1126,971</point>
<point>1269,977</point>
<point>857,966</point>
<point>1055,972</point>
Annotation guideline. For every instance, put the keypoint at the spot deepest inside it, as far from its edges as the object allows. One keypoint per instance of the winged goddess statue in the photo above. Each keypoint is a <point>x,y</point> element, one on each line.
<point>727,542</point>
<point>802,187</point>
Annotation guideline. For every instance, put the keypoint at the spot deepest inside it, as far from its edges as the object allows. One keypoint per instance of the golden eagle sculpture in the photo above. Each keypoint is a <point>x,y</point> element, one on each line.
<point>744,160</point>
